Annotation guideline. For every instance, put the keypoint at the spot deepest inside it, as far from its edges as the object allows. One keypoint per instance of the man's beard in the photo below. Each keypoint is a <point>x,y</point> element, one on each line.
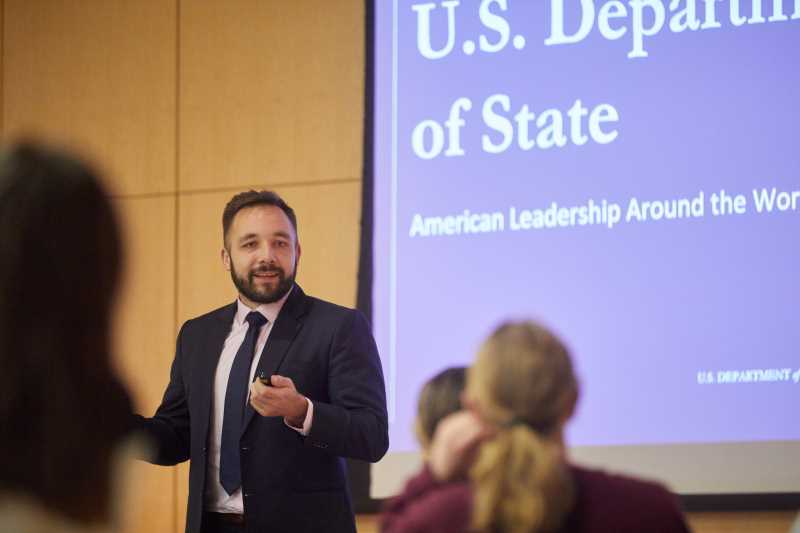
<point>265,295</point>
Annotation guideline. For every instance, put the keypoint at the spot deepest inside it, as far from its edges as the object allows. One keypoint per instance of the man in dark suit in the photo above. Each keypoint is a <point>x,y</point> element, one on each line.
<point>268,394</point>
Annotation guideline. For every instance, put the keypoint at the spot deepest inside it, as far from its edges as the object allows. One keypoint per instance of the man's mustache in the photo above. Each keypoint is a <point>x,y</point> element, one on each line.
<point>266,270</point>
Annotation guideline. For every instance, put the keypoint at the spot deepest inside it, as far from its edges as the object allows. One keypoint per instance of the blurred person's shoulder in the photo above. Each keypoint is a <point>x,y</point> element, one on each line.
<point>426,504</point>
<point>615,502</point>
<point>21,514</point>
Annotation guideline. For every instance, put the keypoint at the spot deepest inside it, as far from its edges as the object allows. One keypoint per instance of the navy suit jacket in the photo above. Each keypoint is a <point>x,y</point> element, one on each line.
<point>290,482</point>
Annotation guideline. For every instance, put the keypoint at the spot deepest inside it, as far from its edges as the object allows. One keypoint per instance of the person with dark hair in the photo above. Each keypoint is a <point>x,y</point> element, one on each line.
<point>268,394</point>
<point>500,465</point>
<point>440,396</point>
<point>59,274</point>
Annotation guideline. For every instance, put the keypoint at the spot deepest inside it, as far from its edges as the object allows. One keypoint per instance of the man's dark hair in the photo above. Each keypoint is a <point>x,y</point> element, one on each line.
<point>252,198</point>
<point>63,410</point>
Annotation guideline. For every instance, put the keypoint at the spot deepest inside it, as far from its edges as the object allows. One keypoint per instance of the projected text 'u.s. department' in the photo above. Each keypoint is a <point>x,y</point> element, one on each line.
<point>573,21</point>
<point>450,30</point>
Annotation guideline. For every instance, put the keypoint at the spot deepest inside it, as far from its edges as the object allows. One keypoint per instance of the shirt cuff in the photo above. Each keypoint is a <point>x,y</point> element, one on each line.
<point>306,429</point>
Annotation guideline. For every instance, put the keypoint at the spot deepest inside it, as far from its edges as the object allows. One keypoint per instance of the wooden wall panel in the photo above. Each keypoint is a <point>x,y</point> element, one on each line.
<point>328,218</point>
<point>203,283</point>
<point>182,496</point>
<point>98,75</point>
<point>145,340</point>
<point>146,317</point>
<point>328,222</point>
<point>270,92</point>
<point>733,522</point>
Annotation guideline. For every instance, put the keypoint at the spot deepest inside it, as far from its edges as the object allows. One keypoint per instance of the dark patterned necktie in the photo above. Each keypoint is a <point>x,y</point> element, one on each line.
<point>230,468</point>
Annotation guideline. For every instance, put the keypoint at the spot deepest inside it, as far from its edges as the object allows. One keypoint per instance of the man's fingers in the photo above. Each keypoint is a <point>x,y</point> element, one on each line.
<point>277,382</point>
<point>282,382</point>
<point>263,406</point>
<point>269,394</point>
<point>257,387</point>
<point>270,398</point>
<point>275,400</point>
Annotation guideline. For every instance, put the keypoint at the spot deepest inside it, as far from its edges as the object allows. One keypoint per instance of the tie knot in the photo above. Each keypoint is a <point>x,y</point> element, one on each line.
<point>255,319</point>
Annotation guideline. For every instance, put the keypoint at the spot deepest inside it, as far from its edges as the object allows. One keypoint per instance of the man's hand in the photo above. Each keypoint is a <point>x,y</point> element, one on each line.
<point>280,399</point>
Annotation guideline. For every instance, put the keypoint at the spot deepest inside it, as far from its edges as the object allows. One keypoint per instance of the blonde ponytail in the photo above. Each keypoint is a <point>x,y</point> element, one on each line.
<point>522,382</point>
<point>521,485</point>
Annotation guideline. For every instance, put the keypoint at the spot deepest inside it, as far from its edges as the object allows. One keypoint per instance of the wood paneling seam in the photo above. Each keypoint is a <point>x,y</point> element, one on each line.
<point>176,233</point>
<point>277,185</point>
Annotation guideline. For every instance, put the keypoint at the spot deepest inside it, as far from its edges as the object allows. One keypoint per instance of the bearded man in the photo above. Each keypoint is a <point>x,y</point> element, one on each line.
<point>268,394</point>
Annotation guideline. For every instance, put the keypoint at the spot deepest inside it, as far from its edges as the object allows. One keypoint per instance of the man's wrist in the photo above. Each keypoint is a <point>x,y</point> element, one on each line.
<point>296,420</point>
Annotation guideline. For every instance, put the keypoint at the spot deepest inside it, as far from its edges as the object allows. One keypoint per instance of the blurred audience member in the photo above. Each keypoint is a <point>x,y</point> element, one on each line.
<point>439,397</point>
<point>63,409</point>
<point>500,465</point>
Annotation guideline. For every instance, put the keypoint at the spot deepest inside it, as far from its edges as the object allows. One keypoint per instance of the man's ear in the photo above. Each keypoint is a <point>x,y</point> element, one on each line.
<point>226,259</point>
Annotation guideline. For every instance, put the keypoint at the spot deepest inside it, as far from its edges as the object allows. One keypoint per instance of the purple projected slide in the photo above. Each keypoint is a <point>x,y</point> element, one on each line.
<point>627,172</point>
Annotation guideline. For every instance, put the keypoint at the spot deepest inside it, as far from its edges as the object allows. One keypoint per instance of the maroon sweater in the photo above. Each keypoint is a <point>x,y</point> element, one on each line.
<point>605,503</point>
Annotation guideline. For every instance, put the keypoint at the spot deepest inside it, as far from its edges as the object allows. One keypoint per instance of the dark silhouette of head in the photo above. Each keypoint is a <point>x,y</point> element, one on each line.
<point>62,407</point>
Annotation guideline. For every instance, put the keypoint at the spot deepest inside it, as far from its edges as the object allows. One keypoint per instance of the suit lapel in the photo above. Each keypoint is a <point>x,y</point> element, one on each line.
<point>283,333</point>
<point>218,330</point>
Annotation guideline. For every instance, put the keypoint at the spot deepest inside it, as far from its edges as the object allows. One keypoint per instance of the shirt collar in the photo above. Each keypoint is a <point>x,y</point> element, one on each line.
<point>270,311</point>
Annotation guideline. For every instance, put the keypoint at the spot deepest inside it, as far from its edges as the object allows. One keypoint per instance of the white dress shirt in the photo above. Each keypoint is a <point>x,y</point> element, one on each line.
<point>217,500</point>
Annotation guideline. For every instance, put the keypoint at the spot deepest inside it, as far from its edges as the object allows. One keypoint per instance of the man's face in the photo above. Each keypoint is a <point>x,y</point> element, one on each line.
<point>261,252</point>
